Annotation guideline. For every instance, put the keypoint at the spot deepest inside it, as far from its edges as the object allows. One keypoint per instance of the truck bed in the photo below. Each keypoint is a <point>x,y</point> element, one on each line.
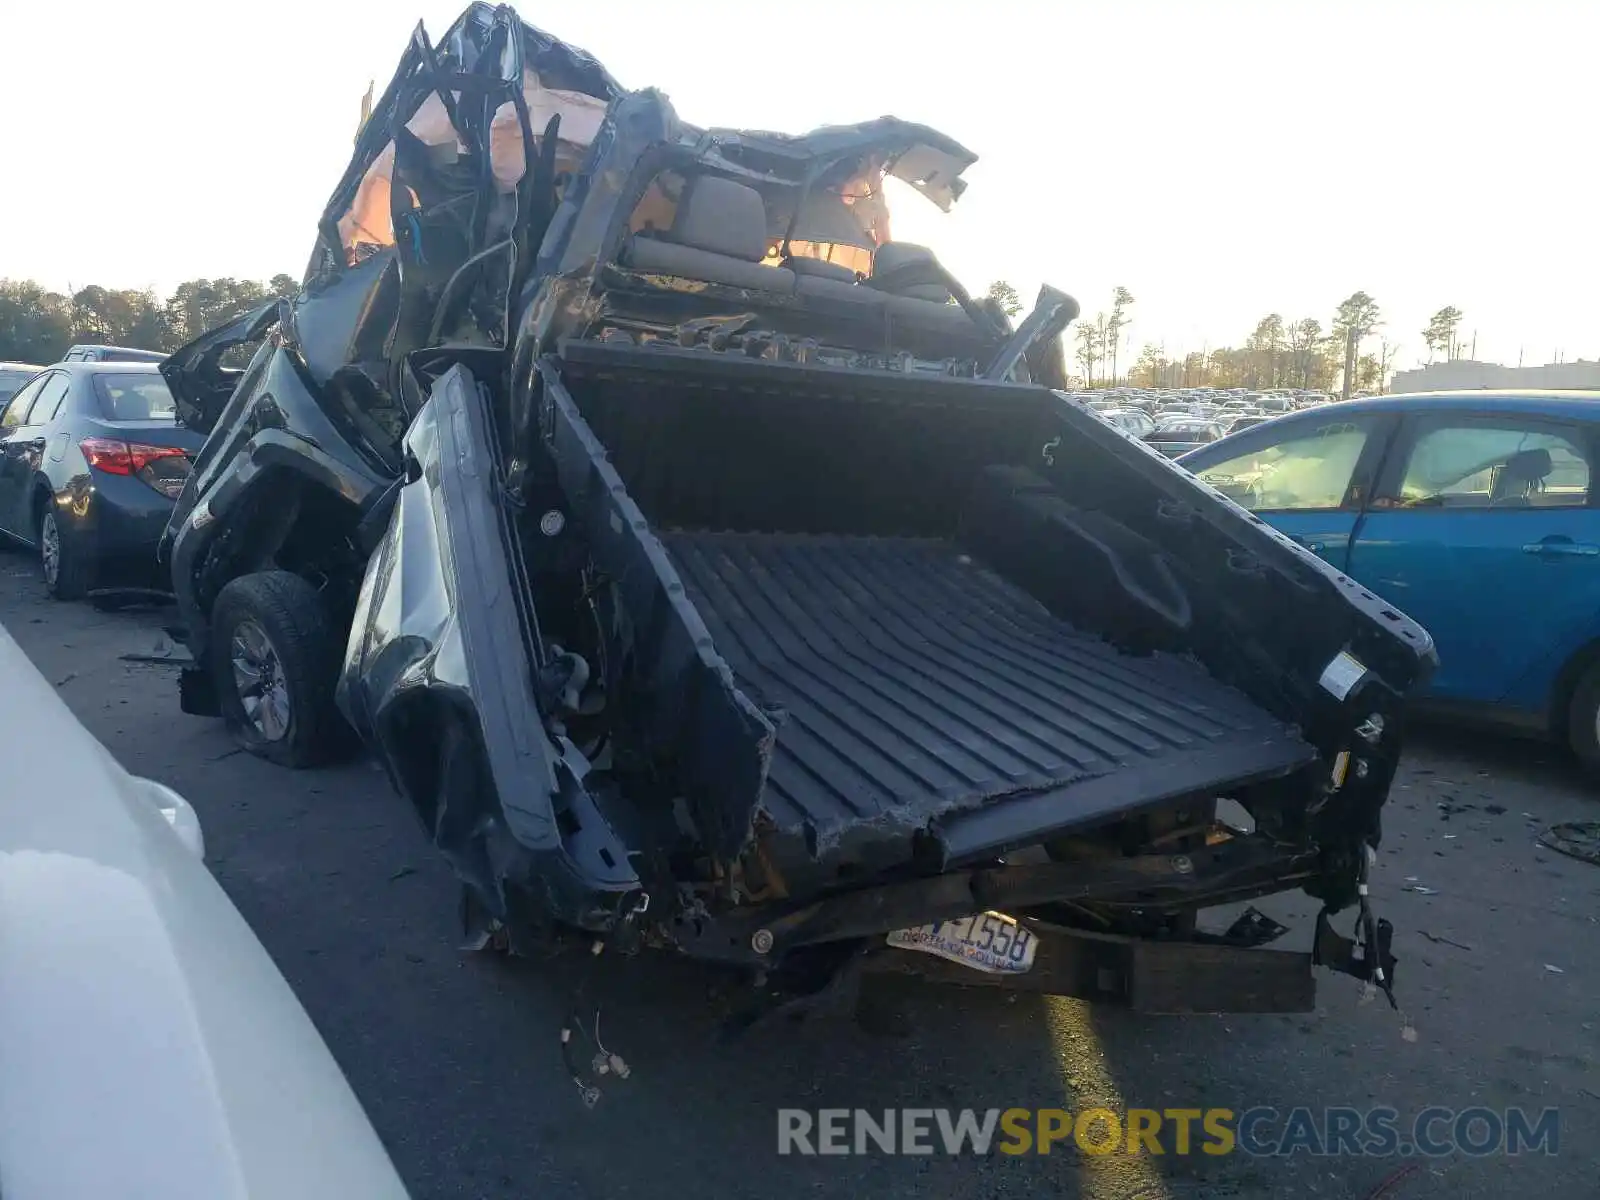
<point>869,618</point>
<point>914,689</point>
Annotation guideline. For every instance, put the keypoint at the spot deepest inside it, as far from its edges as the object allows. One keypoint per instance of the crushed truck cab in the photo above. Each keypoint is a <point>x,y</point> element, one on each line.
<point>711,572</point>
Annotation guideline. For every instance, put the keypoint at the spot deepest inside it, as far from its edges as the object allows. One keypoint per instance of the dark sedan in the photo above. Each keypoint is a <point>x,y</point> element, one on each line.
<point>91,461</point>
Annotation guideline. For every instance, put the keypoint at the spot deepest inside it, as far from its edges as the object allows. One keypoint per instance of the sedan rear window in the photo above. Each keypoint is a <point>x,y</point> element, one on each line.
<point>130,397</point>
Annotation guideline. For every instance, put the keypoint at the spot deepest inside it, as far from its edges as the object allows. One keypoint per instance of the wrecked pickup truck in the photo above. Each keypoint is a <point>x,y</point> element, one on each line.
<point>710,571</point>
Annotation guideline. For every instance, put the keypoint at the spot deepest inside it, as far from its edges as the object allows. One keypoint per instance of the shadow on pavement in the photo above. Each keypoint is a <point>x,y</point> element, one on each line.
<point>1494,754</point>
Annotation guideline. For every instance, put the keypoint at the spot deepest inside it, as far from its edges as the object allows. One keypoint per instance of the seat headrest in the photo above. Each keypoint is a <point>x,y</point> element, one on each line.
<point>891,256</point>
<point>723,217</point>
<point>1520,474</point>
<point>1528,464</point>
<point>905,269</point>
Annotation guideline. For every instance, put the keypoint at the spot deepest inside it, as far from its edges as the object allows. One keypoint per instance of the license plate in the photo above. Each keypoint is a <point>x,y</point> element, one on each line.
<point>990,941</point>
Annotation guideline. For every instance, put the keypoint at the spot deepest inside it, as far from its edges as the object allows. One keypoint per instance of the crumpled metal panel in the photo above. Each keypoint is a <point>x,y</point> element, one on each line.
<point>436,680</point>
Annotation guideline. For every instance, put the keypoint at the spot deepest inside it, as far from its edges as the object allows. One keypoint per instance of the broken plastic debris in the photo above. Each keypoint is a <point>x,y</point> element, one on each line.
<point>1420,890</point>
<point>1575,839</point>
<point>1553,969</point>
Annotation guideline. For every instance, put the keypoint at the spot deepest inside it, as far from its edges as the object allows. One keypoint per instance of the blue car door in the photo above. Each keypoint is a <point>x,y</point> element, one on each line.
<point>1483,529</point>
<point>1308,475</point>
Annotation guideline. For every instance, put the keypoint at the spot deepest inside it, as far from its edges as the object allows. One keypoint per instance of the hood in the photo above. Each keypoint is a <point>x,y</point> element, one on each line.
<point>199,383</point>
<point>136,1003</point>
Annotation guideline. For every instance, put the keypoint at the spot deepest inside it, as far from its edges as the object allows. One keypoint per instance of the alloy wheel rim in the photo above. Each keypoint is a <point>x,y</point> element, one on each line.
<point>50,547</point>
<point>258,678</point>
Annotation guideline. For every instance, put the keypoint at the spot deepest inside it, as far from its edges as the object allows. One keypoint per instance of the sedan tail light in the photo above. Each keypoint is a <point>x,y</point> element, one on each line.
<point>164,468</point>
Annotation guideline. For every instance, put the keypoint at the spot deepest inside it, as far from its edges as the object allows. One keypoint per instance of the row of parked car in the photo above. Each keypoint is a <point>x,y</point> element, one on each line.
<point>1177,420</point>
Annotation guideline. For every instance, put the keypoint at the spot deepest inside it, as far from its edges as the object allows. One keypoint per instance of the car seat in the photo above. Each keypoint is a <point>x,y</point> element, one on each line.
<point>1522,475</point>
<point>718,235</point>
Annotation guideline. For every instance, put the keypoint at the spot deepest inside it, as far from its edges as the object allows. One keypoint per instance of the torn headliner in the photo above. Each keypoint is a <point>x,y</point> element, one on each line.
<point>927,160</point>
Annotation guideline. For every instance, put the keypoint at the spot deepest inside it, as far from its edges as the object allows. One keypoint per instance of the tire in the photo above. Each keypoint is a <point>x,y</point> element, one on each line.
<point>68,570</point>
<point>1583,720</point>
<point>271,627</point>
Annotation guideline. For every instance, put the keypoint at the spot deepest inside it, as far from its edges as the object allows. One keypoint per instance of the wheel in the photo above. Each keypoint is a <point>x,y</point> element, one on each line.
<point>274,658</point>
<point>66,567</point>
<point>1583,719</point>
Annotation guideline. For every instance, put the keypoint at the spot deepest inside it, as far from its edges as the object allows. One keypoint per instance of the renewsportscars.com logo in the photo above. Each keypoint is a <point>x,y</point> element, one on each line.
<point>1260,1131</point>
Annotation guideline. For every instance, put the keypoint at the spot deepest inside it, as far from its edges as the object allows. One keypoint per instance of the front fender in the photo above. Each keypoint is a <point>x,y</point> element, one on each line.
<point>274,427</point>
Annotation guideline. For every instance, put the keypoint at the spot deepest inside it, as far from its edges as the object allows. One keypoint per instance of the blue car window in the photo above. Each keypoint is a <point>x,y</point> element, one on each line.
<point>1308,472</point>
<point>1481,466</point>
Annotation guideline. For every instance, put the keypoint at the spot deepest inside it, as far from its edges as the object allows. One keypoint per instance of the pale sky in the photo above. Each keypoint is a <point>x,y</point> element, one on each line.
<point>1221,159</point>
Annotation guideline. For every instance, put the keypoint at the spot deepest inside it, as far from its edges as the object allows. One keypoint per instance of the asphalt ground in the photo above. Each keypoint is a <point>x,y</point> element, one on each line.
<point>455,1053</point>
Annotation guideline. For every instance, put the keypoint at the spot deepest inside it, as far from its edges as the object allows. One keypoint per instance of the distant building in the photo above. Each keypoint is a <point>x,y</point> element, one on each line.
<point>1465,374</point>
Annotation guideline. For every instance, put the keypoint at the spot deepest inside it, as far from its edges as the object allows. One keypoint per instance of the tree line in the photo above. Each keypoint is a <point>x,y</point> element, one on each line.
<point>1281,353</point>
<point>1277,353</point>
<point>1301,353</point>
<point>37,325</point>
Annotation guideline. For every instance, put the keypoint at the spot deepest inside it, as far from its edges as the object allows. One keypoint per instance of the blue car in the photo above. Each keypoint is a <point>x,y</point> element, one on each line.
<point>1475,513</point>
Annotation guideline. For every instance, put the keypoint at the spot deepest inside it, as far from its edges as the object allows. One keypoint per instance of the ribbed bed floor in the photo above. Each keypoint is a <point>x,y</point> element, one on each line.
<point>915,684</point>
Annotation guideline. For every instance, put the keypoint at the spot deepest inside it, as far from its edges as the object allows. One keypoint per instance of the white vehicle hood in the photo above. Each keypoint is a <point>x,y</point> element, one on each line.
<point>148,1045</point>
